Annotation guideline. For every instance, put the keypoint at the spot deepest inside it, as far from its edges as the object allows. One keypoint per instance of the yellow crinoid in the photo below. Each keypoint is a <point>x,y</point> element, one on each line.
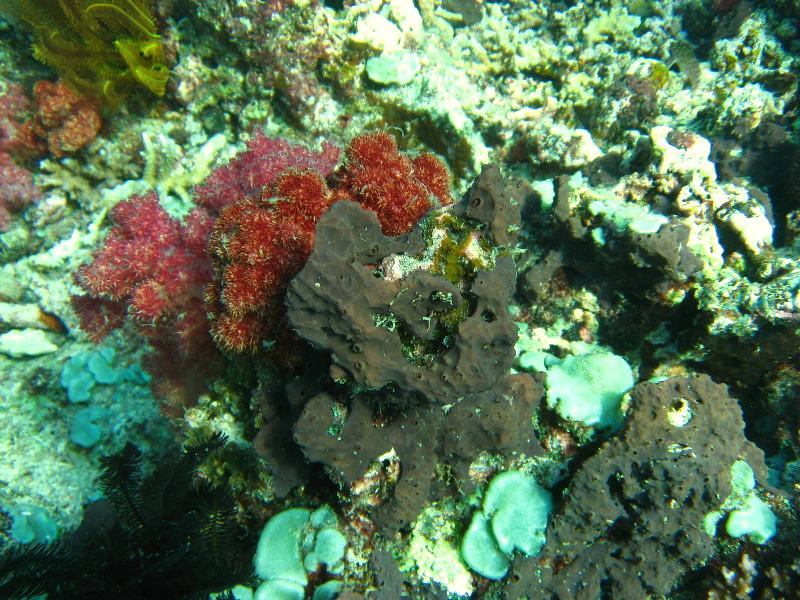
<point>104,48</point>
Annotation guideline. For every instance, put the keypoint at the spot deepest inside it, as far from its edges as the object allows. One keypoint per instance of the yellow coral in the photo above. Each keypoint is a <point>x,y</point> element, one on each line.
<point>104,48</point>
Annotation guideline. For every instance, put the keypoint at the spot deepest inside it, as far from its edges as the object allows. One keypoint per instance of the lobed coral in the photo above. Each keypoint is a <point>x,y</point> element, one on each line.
<point>418,331</point>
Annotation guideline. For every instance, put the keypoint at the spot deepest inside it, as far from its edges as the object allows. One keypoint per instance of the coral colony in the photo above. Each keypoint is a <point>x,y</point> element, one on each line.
<point>370,301</point>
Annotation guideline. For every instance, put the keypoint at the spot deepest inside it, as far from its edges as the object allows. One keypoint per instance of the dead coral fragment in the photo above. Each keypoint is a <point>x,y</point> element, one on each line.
<point>102,48</point>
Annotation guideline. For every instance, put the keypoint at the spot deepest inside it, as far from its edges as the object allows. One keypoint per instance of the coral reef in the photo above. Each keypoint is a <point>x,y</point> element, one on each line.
<point>612,515</point>
<point>416,361</point>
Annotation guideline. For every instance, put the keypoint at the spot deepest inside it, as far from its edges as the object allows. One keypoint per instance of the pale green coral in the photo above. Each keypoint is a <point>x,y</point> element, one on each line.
<point>747,514</point>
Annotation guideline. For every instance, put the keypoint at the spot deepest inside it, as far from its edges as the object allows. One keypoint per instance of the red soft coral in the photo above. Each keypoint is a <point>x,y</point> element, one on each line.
<point>259,245</point>
<point>16,189</point>
<point>397,189</point>
<point>150,262</point>
<point>16,134</point>
<point>154,269</point>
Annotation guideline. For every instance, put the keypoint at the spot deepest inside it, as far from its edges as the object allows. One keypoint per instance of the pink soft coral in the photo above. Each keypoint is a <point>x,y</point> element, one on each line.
<point>153,269</point>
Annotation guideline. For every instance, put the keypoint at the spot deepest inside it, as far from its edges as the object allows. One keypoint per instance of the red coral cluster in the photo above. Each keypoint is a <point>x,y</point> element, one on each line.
<point>16,138</point>
<point>16,134</point>
<point>59,120</point>
<point>65,121</point>
<point>153,269</point>
<point>259,245</point>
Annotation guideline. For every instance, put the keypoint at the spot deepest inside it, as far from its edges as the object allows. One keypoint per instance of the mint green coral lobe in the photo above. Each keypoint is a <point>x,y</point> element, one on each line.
<point>588,388</point>
<point>514,517</point>
<point>747,514</point>
<point>292,544</point>
<point>754,520</point>
<point>278,551</point>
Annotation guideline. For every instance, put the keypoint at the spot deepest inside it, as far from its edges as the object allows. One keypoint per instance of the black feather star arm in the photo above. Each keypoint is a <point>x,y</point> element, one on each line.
<point>166,489</point>
<point>121,483</point>
<point>170,536</point>
<point>26,570</point>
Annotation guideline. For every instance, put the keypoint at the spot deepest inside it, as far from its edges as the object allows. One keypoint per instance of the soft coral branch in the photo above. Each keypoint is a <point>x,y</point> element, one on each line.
<point>153,269</point>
